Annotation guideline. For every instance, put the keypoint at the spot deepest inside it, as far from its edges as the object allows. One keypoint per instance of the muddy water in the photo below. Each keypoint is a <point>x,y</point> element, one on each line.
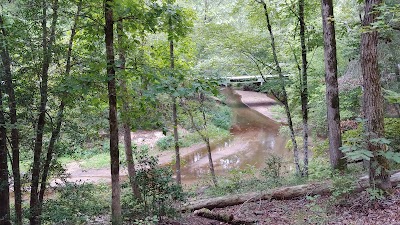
<point>254,138</point>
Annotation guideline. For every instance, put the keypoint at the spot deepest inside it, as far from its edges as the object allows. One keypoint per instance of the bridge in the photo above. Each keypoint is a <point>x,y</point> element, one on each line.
<point>257,79</point>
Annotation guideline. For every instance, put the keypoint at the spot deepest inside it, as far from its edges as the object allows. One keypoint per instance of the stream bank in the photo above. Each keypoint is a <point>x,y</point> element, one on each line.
<point>254,138</point>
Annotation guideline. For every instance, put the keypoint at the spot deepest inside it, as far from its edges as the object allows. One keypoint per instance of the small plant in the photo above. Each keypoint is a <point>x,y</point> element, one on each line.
<point>375,194</point>
<point>318,214</point>
<point>342,186</point>
<point>273,169</point>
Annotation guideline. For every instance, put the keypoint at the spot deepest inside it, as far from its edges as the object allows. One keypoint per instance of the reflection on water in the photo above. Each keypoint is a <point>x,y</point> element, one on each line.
<point>254,138</point>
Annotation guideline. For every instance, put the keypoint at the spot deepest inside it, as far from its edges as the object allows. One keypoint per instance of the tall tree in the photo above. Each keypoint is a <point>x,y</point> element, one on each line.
<point>332,92</point>
<point>126,125</point>
<point>372,97</point>
<point>113,121</point>
<point>4,186</point>
<point>283,97</point>
<point>47,45</point>
<point>303,85</point>
<point>60,114</point>
<point>12,104</point>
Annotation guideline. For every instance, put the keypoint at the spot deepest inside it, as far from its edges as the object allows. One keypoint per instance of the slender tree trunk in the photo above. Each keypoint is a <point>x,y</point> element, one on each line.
<point>125,114</point>
<point>175,115</point>
<point>47,49</point>
<point>207,140</point>
<point>284,99</point>
<point>54,136</point>
<point>332,91</point>
<point>372,98</point>
<point>176,141</point>
<point>4,185</point>
<point>304,88</point>
<point>60,115</point>
<point>113,121</point>
<point>6,60</point>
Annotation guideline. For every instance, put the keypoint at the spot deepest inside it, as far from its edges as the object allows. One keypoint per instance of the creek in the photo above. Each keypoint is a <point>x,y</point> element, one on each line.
<point>254,138</point>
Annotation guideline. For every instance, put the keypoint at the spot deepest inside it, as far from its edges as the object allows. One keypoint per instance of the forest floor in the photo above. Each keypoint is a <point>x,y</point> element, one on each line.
<point>355,209</point>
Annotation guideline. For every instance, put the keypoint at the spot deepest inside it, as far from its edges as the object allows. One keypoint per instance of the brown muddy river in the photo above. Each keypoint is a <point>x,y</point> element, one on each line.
<point>254,138</point>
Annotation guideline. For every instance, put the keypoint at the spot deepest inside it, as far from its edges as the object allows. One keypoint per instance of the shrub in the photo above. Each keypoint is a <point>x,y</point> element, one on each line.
<point>165,143</point>
<point>76,204</point>
<point>392,132</point>
<point>159,192</point>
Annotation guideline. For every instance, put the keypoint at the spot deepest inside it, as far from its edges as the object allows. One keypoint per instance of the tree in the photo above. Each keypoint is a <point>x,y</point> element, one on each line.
<point>332,92</point>
<point>283,96</point>
<point>113,121</point>
<point>12,104</point>
<point>126,125</point>
<point>372,97</point>
<point>303,85</point>
<point>47,45</point>
<point>4,186</point>
<point>60,113</point>
<point>201,126</point>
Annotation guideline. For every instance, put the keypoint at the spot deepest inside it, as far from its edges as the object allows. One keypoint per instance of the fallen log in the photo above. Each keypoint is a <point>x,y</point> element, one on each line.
<point>282,193</point>
<point>222,217</point>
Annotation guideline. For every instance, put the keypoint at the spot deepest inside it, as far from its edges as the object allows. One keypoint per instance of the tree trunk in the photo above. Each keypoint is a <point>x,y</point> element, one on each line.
<point>125,116</point>
<point>207,140</point>
<point>37,150</point>
<point>284,99</point>
<point>332,91</point>
<point>4,185</point>
<point>210,162</point>
<point>281,193</point>
<point>304,88</point>
<point>372,97</point>
<point>113,121</point>
<point>176,141</point>
<point>12,104</point>
<point>60,115</point>
<point>54,136</point>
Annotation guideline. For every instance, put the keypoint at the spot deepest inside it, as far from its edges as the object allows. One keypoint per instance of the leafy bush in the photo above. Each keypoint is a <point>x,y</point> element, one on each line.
<point>165,143</point>
<point>76,204</point>
<point>159,192</point>
<point>273,169</point>
<point>392,132</point>
<point>319,169</point>
<point>342,186</point>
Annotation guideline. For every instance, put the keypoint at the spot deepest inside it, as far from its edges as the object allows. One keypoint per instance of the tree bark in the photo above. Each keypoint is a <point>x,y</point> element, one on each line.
<point>281,193</point>
<point>113,121</point>
<point>47,57</point>
<point>125,114</point>
<point>303,85</point>
<point>332,91</point>
<point>284,99</point>
<point>4,185</point>
<point>6,60</point>
<point>372,97</point>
